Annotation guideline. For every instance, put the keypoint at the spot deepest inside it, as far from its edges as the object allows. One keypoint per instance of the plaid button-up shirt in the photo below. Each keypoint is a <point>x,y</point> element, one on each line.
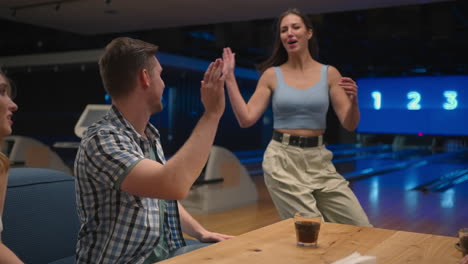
<point>118,227</point>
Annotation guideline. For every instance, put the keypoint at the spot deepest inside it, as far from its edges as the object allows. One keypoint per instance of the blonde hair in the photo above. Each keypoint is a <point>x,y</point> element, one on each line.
<point>4,163</point>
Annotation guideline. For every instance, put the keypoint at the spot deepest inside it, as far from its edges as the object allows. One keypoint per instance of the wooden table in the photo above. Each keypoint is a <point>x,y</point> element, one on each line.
<point>276,243</point>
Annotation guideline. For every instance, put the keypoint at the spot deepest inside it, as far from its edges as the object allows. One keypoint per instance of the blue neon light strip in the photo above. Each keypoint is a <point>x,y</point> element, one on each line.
<point>200,65</point>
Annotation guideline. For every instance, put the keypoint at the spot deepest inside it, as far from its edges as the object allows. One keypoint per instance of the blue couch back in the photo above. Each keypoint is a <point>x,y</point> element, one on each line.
<point>40,219</point>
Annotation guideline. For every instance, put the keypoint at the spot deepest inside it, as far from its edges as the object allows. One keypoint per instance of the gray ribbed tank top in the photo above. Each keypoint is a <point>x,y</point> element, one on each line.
<point>300,109</point>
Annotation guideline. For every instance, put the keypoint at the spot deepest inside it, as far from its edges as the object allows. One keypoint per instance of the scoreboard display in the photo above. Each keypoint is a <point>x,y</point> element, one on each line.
<point>425,105</point>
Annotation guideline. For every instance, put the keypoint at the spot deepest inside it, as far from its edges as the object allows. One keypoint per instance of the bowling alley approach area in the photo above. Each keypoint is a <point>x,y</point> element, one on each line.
<point>415,187</point>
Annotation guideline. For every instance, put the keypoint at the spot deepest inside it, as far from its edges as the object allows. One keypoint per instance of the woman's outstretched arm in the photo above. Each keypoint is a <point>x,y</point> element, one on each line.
<point>247,114</point>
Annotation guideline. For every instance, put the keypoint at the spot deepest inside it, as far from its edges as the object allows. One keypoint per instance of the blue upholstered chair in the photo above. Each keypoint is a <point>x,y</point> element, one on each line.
<point>40,219</point>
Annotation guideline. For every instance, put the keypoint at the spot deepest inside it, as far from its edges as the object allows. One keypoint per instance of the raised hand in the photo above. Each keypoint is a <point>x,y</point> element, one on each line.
<point>229,60</point>
<point>212,89</point>
<point>350,87</point>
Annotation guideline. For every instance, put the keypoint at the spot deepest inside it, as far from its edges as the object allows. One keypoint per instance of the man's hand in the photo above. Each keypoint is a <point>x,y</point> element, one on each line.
<point>213,237</point>
<point>212,89</point>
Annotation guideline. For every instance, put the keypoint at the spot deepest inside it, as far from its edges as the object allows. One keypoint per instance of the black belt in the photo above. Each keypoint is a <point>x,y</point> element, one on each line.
<point>298,141</point>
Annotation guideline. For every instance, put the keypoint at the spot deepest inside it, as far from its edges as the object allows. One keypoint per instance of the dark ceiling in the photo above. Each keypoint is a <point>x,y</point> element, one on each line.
<point>411,39</point>
<point>91,17</point>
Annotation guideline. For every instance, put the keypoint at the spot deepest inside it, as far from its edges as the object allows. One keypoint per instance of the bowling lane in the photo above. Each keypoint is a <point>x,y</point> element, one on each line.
<point>390,201</point>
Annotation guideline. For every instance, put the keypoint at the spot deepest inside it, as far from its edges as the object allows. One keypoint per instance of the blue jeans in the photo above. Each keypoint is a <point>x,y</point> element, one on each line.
<point>191,246</point>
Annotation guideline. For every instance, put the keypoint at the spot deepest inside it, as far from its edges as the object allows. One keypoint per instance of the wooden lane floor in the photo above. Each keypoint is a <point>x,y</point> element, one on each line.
<point>391,201</point>
<point>388,200</point>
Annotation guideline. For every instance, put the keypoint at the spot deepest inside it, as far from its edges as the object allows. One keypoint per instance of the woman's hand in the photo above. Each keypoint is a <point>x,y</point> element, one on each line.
<point>229,60</point>
<point>350,87</point>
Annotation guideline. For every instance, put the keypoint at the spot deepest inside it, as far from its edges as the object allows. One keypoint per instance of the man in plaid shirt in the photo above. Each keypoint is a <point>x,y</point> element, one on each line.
<point>126,192</point>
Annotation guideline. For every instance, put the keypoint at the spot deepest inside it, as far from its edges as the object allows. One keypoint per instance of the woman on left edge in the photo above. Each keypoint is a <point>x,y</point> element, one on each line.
<point>7,107</point>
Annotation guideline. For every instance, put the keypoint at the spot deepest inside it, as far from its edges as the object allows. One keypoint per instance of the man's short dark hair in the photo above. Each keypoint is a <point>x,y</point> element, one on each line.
<point>123,58</point>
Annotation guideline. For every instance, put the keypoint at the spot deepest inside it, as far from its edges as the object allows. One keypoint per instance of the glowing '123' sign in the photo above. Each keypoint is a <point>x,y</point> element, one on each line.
<point>415,98</point>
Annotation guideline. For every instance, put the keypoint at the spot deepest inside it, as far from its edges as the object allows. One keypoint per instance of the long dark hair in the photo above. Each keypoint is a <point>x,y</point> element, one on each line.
<point>279,54</point>
<point>11,88</point>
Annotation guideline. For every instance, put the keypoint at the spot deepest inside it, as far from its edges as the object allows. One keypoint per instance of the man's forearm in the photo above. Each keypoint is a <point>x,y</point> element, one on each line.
<point>187,164</point>
<point>189,225</point>
<point>7,256</point>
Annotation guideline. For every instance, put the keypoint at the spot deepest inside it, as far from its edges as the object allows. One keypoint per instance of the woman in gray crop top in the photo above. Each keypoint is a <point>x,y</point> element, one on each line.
<point>7,107</point>
<point>297,167</point>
